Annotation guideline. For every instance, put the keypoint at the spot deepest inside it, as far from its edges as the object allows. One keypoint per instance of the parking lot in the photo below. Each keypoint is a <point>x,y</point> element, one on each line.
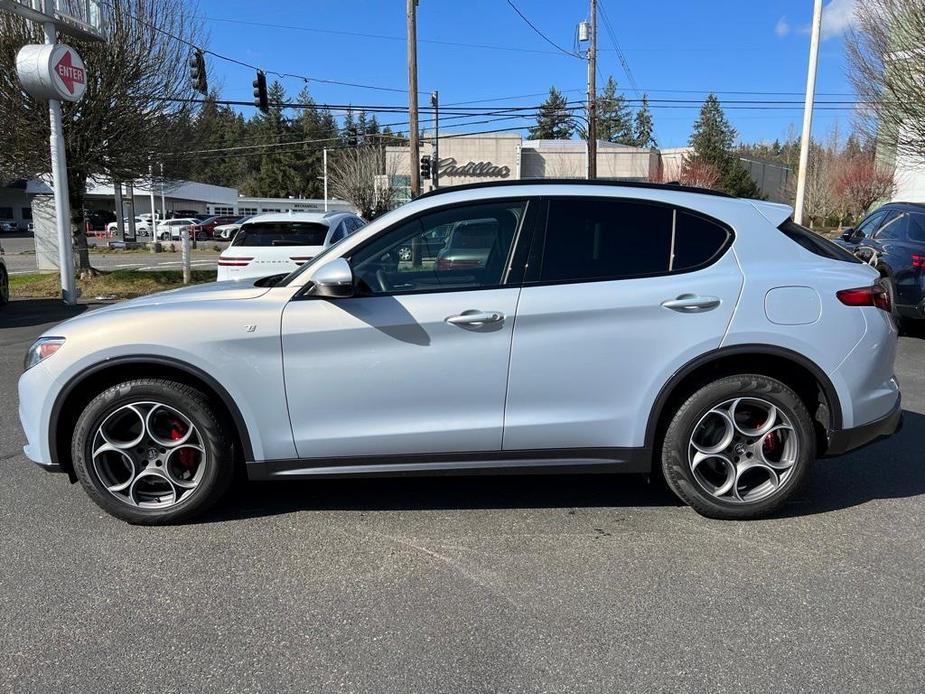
<point>476,584</point>
<point>19,249</point>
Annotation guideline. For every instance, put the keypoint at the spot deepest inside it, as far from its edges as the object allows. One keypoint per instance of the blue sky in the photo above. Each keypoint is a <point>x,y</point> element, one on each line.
<point>675,49</point>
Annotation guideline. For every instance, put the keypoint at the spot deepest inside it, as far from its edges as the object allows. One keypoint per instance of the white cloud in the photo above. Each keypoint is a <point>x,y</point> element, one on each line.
<point>837,17</point>
<point>782,28</point>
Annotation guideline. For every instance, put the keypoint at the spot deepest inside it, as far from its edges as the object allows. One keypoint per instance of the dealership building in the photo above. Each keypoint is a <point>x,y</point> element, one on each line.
<point>493,157</point>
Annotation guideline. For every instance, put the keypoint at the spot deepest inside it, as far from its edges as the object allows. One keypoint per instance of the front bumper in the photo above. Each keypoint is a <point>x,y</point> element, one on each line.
<point>851,439</point>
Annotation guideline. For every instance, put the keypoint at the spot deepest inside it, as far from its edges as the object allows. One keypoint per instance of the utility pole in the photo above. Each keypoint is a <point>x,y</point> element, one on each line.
<point>592,95</point>
<point>808,112</point>
<point>413,98</point>
<point>435,159</point>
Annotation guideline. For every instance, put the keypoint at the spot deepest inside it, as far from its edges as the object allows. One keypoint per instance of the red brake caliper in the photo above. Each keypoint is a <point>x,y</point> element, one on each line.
<point>187,456</point>
<point>771,444</point>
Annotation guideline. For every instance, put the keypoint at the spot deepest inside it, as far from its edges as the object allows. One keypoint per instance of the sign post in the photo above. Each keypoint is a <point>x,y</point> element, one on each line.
<point>55,72</point>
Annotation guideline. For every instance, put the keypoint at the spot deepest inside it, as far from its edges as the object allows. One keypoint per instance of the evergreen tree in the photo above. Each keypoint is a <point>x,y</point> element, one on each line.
<point>316,129</point>
<point>712,142</point>
<point>553,122</point>
<point>350,129</point>
<point>613,117</point>
<point>276,172</point>
<point>643,127</point>
<point>217,128</point>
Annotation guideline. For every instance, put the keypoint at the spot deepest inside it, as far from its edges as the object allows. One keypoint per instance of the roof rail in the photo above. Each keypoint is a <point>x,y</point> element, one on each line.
<point>673,186</point>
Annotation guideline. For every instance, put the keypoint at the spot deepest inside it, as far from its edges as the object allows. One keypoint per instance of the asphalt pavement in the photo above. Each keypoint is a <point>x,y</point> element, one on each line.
<point>481,584</point>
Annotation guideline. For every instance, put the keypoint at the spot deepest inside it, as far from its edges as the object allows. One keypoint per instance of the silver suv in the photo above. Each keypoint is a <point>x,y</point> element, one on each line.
<point>602,328</point>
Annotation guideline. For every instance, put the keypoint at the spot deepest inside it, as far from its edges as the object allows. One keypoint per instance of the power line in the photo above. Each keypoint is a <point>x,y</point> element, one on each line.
<point>541,34</point>
<point>236,61</point>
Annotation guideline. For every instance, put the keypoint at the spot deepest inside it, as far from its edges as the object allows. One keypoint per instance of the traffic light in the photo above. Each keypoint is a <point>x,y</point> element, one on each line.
<point>425,167</point>
<point>260,92</point>
<point>197,73</point>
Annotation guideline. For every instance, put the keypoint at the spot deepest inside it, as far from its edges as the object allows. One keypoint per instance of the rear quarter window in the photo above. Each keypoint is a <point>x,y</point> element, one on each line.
<point>814,243</point>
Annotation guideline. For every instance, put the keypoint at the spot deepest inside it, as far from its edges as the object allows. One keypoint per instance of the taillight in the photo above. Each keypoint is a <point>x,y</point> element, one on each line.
<point>875,295</point>
<point>237,261</point>
<point>918,261</point>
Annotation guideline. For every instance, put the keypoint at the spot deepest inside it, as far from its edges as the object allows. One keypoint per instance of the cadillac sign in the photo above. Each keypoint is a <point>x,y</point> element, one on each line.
<point>473,169</point>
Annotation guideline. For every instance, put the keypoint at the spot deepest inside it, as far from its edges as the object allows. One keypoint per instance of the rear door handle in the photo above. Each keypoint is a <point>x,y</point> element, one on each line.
<point>691,303</point>
<point>475,317</point>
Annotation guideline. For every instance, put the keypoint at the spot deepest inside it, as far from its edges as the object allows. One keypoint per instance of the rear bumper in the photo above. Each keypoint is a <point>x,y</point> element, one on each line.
<point>851,439</point>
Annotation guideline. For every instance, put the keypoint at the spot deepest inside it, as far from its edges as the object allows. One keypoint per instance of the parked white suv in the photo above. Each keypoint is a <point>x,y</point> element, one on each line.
<point>605,328</point>
<point>275,243</point>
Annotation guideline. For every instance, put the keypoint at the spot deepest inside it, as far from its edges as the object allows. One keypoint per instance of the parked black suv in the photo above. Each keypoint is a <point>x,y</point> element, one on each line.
<point>892,239</point>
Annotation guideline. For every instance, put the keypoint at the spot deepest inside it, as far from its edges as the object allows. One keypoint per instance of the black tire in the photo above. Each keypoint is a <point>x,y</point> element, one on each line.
<point>191,403</point>
<point>4,286</point>
<point>676,445</point>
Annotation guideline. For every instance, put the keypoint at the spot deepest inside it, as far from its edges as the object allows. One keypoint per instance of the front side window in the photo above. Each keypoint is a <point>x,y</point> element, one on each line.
<point>458,248</point>
<point>281,234</point>
<point>869,226</point>
<point>594,239</point>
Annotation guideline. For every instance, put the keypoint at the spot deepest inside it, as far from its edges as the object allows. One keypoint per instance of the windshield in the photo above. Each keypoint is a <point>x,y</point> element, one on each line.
<point>281,234</point>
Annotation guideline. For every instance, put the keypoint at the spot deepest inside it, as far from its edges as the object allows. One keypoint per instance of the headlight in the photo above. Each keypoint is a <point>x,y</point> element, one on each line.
<point>41,349</point>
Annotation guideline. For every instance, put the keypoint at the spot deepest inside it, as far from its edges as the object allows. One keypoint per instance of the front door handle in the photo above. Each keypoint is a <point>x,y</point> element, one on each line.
<point>691,303</point>
<point>475,317</point>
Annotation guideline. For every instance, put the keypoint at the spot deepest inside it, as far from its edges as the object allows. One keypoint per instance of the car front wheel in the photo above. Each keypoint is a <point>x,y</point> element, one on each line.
<point>738,447</point>
<point>152,451</point>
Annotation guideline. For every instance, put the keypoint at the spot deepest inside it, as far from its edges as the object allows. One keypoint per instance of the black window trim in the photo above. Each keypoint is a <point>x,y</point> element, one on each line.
<point>535,265</point>
<point>515,263</point>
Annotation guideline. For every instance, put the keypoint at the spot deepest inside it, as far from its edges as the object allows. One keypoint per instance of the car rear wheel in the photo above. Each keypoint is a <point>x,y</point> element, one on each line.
<point>738,447</point>
<point>152,452</point>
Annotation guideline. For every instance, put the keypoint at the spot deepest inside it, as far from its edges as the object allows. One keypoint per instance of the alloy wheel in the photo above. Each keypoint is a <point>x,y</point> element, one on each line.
<point>743,450</point>
<point>149,455</point>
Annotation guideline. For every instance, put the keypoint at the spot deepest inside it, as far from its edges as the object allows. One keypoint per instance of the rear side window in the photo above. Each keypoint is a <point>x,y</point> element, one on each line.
<point>916,227</point>
<point>814,243</point>
<point>594,239</point>
<point>281,234</point>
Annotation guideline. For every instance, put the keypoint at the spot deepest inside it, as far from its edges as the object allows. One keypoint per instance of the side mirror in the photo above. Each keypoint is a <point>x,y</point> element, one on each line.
<point>847,234</point>
<point>333,280</point>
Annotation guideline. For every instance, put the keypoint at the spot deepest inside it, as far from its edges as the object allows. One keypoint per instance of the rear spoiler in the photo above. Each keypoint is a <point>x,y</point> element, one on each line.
<point>776,213</point>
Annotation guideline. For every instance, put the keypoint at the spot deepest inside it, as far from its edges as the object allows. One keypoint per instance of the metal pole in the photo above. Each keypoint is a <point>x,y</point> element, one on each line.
<point>163,205</point>
<point>435,160</point>
<point>413,98</point>
<point>185,253</point>
<point>151,193</point>
<point>133,232</point>
<point>592,95</point>
<point>324,157</point>
<point>808,112</point>
<point>59,183</point>
<point>120,209</point>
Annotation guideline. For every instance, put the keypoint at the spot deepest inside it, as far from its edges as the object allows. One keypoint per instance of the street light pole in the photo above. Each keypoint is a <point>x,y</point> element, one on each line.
<point>435,159</point>
<point>808,112</point>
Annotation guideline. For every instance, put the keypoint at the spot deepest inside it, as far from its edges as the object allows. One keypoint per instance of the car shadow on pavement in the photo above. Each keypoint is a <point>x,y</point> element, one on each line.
<point>892,468</point>
<point>24,313</point>
<point>463,492</point>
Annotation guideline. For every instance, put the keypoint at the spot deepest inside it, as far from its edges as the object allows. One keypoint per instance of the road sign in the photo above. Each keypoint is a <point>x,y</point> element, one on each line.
<point>51,71</point>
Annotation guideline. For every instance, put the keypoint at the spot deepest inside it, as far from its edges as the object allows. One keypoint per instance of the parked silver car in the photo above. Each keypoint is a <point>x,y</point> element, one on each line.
<point>609,328</point>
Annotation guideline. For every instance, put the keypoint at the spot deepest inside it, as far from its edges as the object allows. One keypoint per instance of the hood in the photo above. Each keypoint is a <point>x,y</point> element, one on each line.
<point>213,291</point>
